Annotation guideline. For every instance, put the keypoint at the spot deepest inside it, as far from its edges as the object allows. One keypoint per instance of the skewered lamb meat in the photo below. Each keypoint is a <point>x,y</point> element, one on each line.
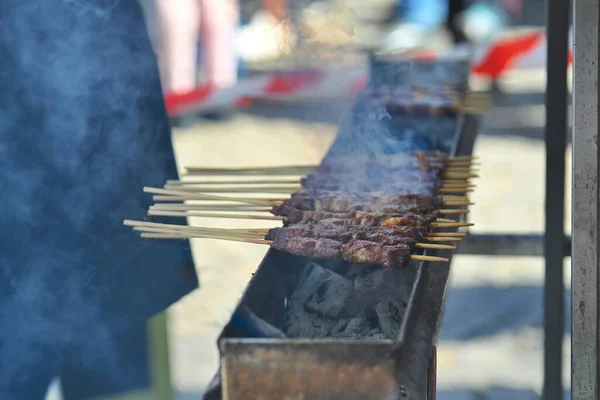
<point>376,205</point>
<point>358,251</point>
<point>361,251</point>
<point>386,236</point>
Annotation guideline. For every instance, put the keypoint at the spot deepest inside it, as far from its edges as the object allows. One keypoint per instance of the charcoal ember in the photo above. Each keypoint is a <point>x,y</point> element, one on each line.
<point>300,323</point>
<point>371,288</point>
<point>358,327</point>
<point>376,334</point>
<point>389,314</point>
<point>323,291</point>
<point>338,326</point>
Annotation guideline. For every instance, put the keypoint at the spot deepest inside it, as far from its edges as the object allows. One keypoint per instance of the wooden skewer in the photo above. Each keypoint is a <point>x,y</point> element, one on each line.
<point>458,175</point>
<point>273,181</point>
<point>435,246</point>
<point>259,168</point>
<point>253,233</point>
<point>451,224</point>
<point>233,172</point>
<point>192,196</point>
<point>428,258</point>
<point>444,239</point>
<point>175,195</point>
<point>264,242</point>
<point>186,237</point>
<point>458,203</point>
<point>451,198</point>
<point>456,182</point>
<point>147,224</point>
<point>259,201</point>
<point>213,215</point>
<point>165,236</point>
<point>449,212</point>
<point>265,189</point>
<point>209,207</point>
<point>446,234</point>
<point>238,233</point>
<point>201,233</point>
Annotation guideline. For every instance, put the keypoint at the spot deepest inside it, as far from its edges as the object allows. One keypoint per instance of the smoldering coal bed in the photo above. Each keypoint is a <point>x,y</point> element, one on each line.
<point>348,301</point>
<point>302,298</point>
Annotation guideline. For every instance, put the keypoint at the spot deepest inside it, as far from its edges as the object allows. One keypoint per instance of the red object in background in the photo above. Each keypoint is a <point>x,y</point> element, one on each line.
<point>503,55</point>
<point>293,81</point>
<point>175,102</point>
<point>500,57</point>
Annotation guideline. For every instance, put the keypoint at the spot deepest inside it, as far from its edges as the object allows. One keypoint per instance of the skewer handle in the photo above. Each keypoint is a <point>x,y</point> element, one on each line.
<point>428,258</point>
<point>435,246</point>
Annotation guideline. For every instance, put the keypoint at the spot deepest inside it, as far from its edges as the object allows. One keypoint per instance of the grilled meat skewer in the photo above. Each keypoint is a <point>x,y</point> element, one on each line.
<point>295,216</point>
<point>358,251</point>
<point>367,203</point>
<point>387,236</point>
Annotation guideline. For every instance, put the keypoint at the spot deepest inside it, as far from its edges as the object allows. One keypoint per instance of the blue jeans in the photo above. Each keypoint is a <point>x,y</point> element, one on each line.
<point>428,14</point>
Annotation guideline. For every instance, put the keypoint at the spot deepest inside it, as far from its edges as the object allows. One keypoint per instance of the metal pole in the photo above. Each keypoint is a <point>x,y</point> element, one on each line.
<point>584,325</point>
<point>557,31</point>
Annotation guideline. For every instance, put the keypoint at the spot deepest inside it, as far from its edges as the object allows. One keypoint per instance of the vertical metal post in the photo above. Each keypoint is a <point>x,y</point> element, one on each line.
<point>432,375</point>
<point>584,345</point>
<point>557,32</point>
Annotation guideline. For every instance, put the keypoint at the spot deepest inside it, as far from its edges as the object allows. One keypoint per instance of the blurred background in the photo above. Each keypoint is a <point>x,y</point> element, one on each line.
<point>492,338</point>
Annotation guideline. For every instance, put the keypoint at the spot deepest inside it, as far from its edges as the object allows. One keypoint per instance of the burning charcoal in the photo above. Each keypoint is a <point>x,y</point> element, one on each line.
<point>302,323</point>
<point>323,291</point>
<point>376,334</point>
<point>358,327</point>
<point>372,288</point>
<point>338,326</point>
<point>389,314</point>
<point>299,321</point>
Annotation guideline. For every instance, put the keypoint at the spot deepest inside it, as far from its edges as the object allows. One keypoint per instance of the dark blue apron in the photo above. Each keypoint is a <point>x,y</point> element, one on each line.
<point>82,130</point>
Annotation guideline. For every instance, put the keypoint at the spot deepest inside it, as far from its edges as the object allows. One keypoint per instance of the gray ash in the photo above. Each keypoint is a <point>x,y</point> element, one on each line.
<point>356,302</point>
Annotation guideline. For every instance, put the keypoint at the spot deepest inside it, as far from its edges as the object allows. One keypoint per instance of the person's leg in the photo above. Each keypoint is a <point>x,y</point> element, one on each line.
<point>30,356</point>
<point>110,363</point>
<point>176,43</point>
<point>219,20</point>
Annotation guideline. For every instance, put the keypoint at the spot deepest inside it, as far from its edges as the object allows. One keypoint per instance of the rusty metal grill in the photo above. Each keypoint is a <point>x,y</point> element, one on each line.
<point>263,364</point>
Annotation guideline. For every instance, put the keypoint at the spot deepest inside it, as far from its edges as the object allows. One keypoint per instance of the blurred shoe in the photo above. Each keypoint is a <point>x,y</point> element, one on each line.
<point>481,23</point>
<point>218,115</point>
<point>265,38</point>
<point>404,36</point>
<point>183,121</point>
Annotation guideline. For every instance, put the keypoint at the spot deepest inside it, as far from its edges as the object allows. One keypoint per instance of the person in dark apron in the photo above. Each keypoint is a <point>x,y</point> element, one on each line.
<point>82,130</point>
